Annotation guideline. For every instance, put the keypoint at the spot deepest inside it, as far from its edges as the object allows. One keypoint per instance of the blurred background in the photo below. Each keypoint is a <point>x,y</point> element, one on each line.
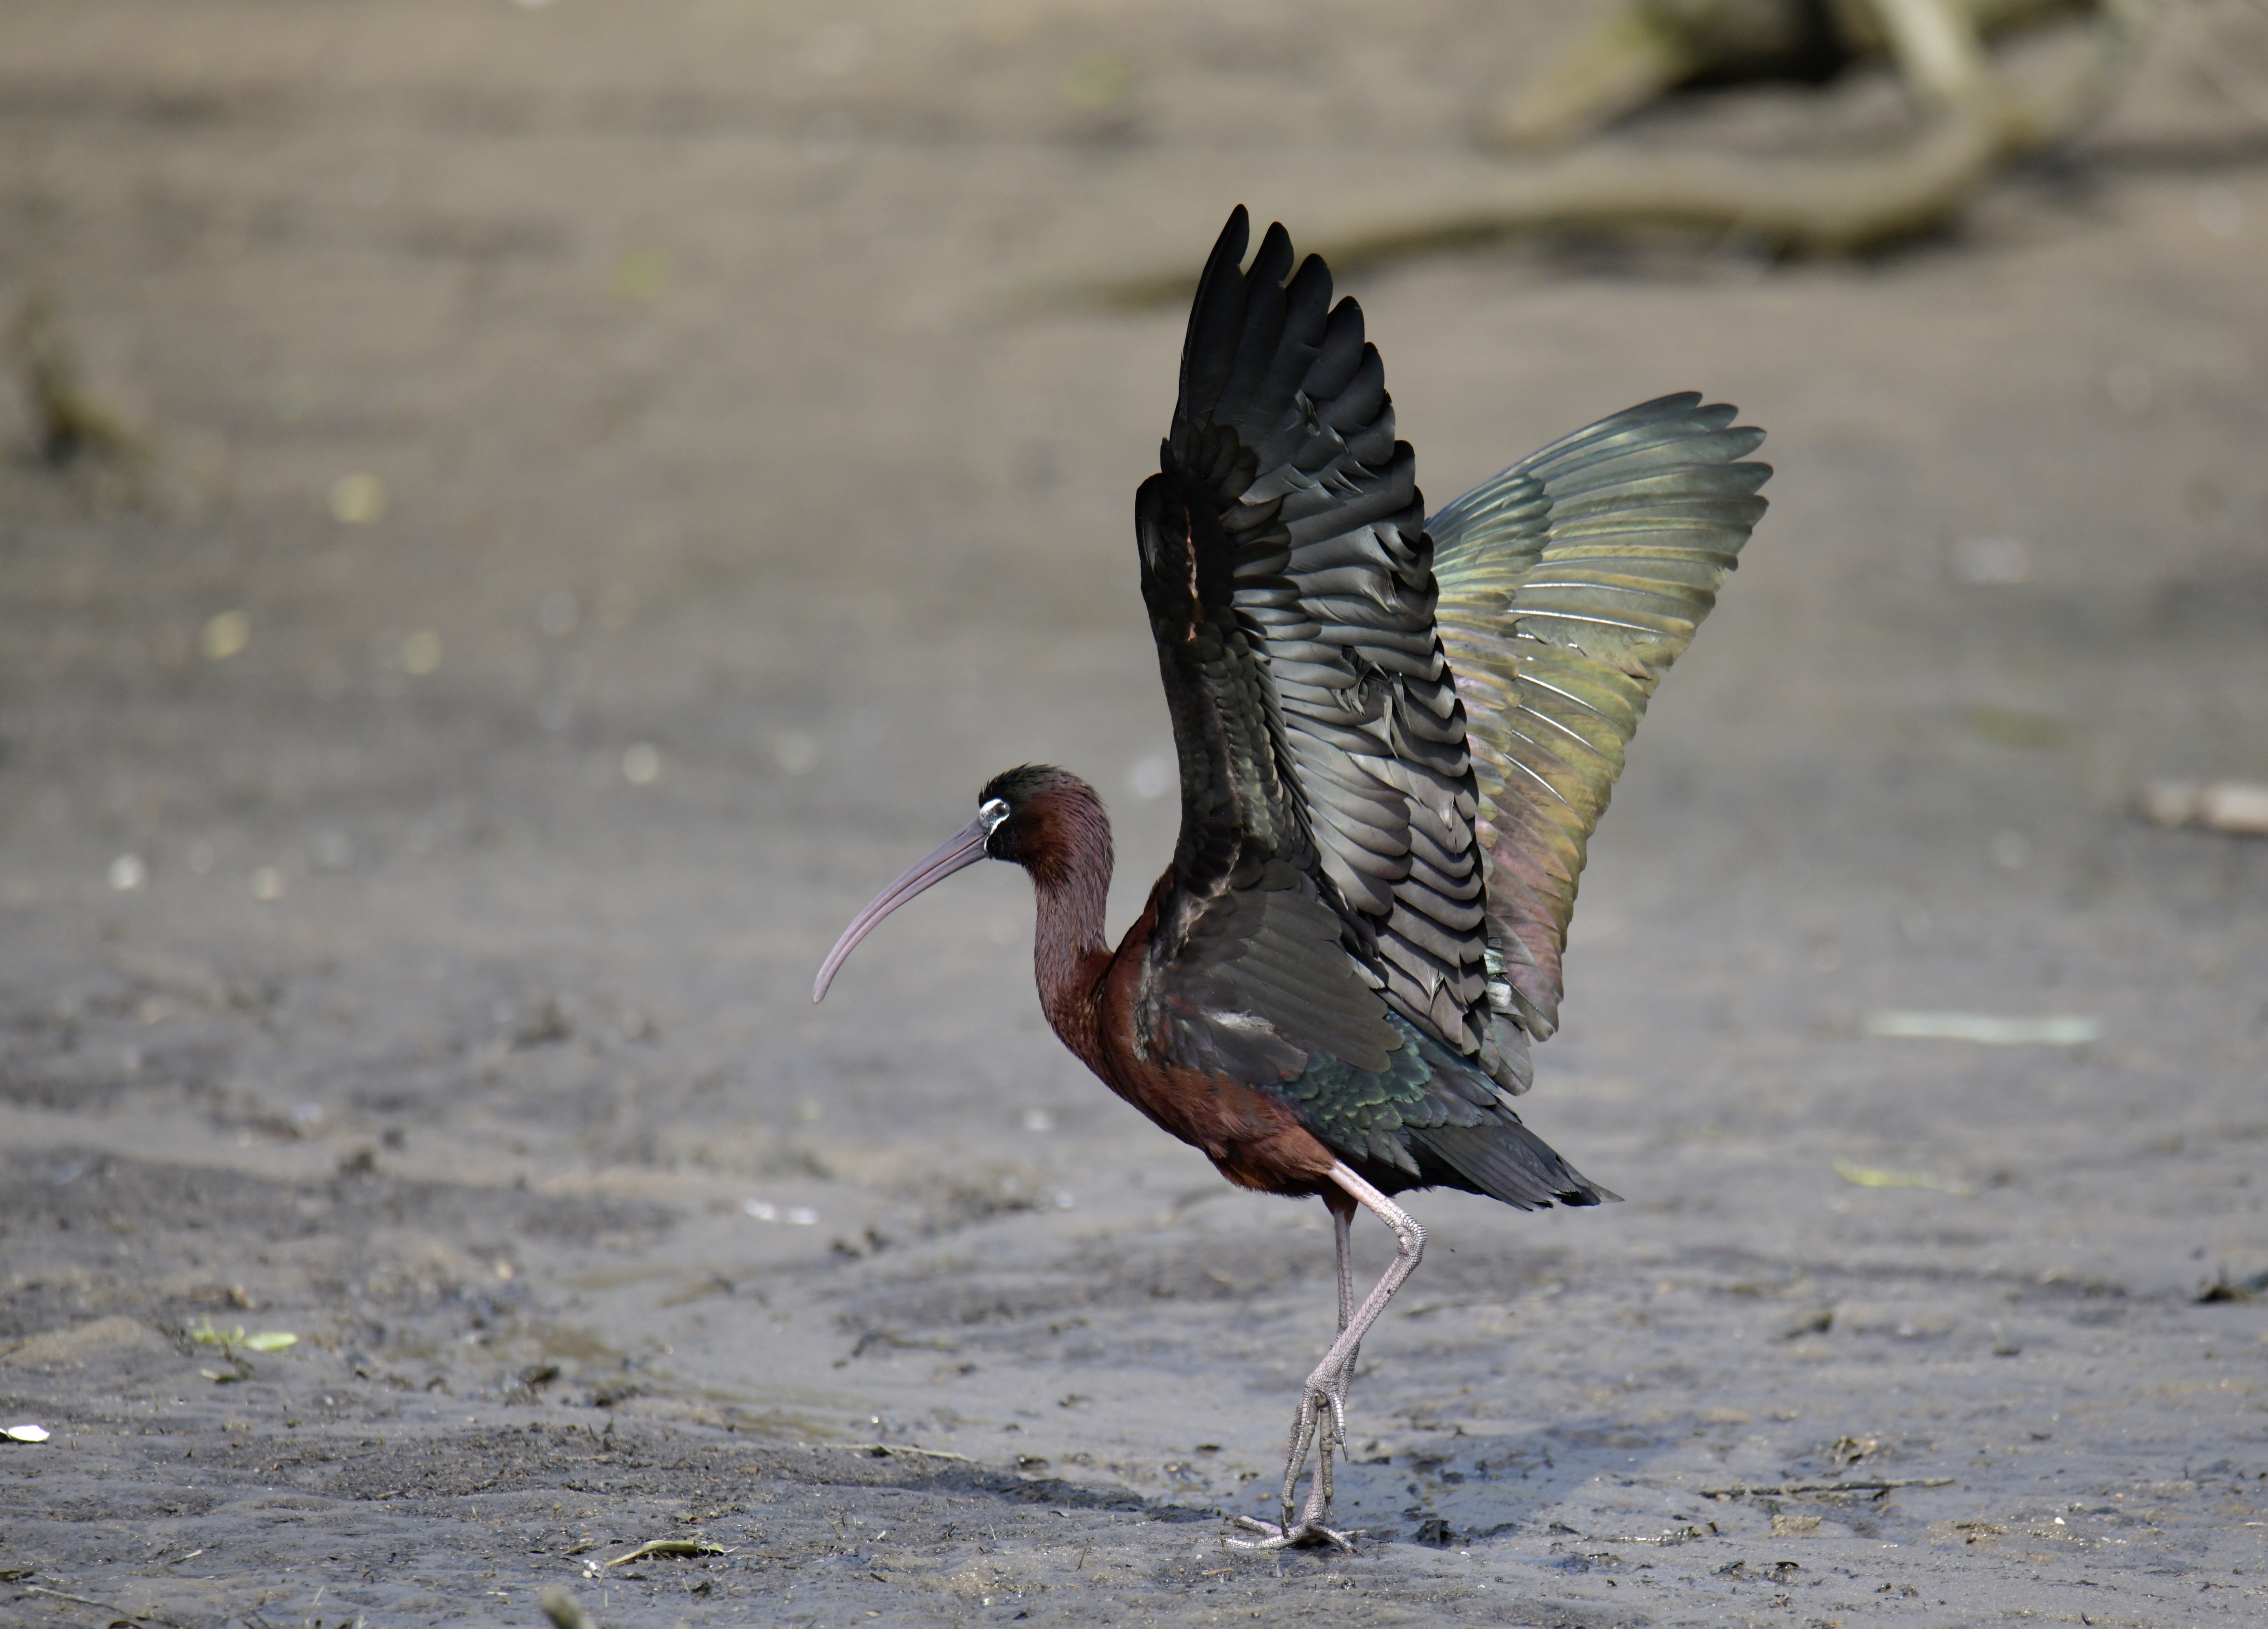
<point>517,517</point>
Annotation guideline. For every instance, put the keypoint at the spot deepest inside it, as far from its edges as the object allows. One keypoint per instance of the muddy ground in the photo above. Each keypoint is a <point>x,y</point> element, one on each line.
<point>616,480</point>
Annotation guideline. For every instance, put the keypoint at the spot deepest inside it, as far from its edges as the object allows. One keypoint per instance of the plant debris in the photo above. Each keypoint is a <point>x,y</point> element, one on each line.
<point>2225,1288</point>
<point>669,1546</point>
<point>1986,1028</point>
<point>266,1341</point>
<point>1783,1489</point>
<point>1851,1450</point>
<point>1870,1177</point>
<point>2239,808</point>
<point>883,1450</point>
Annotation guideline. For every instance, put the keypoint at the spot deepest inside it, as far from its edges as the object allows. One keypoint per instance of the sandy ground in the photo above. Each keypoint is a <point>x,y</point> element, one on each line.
<point>737,498</point>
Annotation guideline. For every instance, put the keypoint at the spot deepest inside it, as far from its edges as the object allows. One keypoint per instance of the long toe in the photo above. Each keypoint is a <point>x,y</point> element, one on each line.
<point>1310,1433</point>
<point>1275,1537</point>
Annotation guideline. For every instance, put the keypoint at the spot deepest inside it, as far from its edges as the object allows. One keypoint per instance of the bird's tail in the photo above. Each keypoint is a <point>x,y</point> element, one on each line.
<point>1503,1159</point>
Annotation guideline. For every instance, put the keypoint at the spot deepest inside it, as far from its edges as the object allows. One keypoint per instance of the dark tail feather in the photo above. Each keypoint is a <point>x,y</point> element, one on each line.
<point>1504,1160</point>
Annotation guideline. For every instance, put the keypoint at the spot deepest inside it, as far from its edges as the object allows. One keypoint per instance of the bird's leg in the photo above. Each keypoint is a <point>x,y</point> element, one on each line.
<point>1313,1427</point>
<point>1343,1227</point>
<point>1320,1424</point>
<point>1329,1435</point>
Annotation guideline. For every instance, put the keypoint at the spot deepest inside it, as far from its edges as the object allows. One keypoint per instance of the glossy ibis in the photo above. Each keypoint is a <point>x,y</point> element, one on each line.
<point>1395,734</point>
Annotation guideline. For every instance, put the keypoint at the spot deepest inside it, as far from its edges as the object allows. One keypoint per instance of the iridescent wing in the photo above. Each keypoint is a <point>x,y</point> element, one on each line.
<point>1568,584</point>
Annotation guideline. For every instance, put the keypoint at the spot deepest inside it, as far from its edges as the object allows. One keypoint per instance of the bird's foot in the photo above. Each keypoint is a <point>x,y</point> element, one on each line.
<point>1319,1428</point>
<point>1304,1532</point>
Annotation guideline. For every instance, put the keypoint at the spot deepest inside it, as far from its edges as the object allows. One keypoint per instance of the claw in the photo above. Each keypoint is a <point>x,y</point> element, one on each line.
<point>1284,1536</point>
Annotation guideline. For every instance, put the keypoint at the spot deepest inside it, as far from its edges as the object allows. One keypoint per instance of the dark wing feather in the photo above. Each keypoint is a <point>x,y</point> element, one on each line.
<point>1317,721</point>
<point>1248,973</point>
<point>1430,1119</point>
<point>1568,584</point>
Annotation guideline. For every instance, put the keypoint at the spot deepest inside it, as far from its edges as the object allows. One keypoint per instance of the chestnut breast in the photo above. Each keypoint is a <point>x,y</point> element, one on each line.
<point>1252,1135</point>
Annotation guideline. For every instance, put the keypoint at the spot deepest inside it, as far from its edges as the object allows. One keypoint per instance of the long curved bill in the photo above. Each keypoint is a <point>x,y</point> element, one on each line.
<point>963,849</point>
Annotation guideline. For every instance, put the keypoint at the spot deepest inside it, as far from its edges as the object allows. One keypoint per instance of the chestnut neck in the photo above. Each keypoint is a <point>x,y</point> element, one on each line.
<point>1070,866</point>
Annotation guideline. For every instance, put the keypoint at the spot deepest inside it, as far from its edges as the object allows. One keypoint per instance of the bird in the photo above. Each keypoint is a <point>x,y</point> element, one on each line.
<point>1395,734</point>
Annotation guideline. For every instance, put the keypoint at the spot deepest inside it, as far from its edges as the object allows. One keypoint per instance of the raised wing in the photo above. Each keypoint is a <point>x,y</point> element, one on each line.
<point>1291,589</point>
<point>1568,584</point>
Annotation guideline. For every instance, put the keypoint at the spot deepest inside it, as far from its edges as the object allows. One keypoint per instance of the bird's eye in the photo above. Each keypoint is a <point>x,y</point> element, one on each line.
<point>992,811</point>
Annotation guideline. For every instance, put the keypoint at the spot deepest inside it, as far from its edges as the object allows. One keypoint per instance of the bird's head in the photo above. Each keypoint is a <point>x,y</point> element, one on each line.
<point>1033,815</point>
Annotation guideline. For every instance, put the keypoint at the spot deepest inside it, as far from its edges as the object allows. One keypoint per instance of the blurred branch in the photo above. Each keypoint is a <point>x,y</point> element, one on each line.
<point>1971,118</point>
<point>1643,49</point>
<point>1796,205</point>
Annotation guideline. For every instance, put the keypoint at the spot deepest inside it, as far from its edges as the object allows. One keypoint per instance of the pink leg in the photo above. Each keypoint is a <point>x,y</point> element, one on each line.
<point>1321,1424</point>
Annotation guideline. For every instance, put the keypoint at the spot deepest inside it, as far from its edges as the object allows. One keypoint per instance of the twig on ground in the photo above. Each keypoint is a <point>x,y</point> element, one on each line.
<point>669,1546</point>
<point>1738,1492</point>
<point>882,1450</point>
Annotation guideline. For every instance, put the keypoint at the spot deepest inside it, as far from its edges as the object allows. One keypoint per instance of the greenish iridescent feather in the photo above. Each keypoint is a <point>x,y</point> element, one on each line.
<point>1429,1113</point>
<point>1566,586</point>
